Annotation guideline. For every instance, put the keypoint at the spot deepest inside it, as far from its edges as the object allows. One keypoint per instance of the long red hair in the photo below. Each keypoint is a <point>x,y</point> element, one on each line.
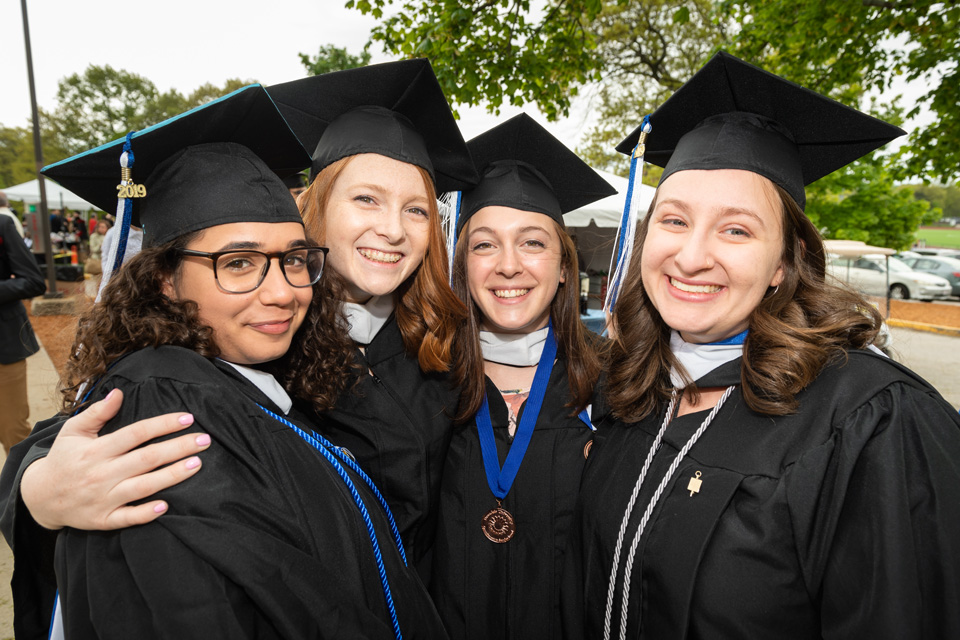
<point>427,311</point>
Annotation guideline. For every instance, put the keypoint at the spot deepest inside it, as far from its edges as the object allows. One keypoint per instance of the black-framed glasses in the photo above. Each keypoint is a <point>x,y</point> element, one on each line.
<point>243,270</point>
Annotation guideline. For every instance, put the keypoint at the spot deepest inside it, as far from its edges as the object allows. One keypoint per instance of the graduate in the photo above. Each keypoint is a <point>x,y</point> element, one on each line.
<point>282,535</point>
<point>775,476</point>
<point>528,370</point>
<point>383,142</point>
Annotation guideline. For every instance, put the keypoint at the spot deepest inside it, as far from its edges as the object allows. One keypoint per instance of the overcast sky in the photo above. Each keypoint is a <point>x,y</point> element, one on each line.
<point>182,44</point>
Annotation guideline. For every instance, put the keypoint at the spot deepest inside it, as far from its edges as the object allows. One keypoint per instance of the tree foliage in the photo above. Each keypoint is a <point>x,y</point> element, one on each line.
<point>495,51</point>
<point>649,49</point>
<point>846,47</point>
<point>332,58</point>
<point>100,105</point>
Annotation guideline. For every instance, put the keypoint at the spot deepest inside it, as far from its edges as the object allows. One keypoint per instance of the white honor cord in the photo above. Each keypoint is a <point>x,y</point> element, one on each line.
<point>628,568</point>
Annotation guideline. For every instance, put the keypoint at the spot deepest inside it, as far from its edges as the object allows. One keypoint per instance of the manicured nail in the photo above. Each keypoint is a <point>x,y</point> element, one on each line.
<point>110,395</point>
<point>193,463</point>
<point>160,508</point>
<point>203,440</point>
<point>186,419</point>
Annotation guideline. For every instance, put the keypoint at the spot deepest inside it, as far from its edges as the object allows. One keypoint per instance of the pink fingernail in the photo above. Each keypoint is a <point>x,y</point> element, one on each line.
<point>193,463</point>
<point>203,440</point>
<point>160,508</point>
<point>186,419</point>
<point>110,395</point>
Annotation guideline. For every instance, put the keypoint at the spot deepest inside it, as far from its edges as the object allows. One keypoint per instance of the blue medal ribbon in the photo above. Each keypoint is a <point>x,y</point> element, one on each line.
<point>500,480</point>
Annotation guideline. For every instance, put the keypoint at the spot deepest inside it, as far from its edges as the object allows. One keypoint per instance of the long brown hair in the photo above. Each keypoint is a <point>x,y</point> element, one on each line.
<point>574,343</point>
<point>794,332</point>
<point>134,314</point>
<point>427,311</point>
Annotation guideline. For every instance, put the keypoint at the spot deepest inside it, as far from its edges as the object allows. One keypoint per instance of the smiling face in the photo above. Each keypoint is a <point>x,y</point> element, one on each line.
<point>377,224</point>
<point>712,250</point>
<point>250,328</point>
<point>514,267</point>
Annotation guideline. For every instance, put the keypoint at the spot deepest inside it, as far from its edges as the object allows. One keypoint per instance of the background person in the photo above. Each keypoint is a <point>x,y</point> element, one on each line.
<point>20,279</point>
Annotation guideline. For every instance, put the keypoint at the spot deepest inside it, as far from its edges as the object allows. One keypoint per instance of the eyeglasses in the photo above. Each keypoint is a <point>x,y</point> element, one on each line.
<point>242,271</point>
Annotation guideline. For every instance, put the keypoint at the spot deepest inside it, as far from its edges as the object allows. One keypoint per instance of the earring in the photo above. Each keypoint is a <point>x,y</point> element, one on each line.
<point>774,291</point>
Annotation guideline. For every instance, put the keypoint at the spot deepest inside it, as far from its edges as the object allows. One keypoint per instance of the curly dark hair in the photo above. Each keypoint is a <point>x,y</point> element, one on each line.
<point>134,314</point>
<point>795,331</point>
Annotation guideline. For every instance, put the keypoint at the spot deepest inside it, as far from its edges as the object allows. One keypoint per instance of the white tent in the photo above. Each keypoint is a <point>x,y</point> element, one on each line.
<point>595,225</point>
<point>57,196</point>
<point>607,212</point>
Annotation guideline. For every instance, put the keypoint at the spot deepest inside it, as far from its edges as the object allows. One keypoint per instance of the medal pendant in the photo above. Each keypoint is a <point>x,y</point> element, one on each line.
<point>498,525</point>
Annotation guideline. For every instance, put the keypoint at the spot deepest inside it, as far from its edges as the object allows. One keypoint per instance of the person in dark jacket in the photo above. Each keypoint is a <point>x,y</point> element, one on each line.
<point>528,369</point>
<point>775,475</point>
<point>20,279</point>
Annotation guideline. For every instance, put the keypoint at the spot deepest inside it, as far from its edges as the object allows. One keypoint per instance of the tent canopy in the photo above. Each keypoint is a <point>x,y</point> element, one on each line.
<point>57,196</point>
<point>607,212</point>
<point>854,249</point>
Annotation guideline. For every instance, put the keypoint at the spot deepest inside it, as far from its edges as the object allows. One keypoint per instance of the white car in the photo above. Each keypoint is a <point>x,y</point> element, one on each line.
<point>868,275</point>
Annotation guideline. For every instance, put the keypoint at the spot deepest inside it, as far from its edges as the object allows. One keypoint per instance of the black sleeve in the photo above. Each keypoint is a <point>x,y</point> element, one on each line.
<point>877,519</point>
<point>28,281</point>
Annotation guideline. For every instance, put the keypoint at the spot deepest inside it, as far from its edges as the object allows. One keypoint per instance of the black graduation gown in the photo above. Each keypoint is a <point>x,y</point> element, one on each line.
<point>486,590</point>
<point>268,543</point>
<point>397,423</point>
<point>840,521</point>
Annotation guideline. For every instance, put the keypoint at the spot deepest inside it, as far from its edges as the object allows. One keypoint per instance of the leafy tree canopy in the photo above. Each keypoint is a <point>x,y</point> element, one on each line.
<point>331,58</point>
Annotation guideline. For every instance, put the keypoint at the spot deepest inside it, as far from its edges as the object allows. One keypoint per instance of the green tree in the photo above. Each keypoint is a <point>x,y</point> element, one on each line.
<point>331,58</point>
<point>498,51</point>
<point>846,47</point>
<point>649,49</point>
<point>860,202</point>
<point>17,163</point>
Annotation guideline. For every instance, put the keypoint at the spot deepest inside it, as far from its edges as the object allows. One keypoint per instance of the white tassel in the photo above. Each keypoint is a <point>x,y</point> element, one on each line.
<point>626,234</point>
<point>109,260</point>
<point>449,206</point>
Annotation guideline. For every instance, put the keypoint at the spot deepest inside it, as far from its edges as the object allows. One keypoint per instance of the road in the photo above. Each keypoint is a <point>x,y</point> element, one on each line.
<point>935,357</point>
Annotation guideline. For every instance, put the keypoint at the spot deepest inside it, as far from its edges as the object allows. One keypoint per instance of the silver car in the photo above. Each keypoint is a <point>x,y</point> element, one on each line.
<point>868,275</point>
<point>948,268</point>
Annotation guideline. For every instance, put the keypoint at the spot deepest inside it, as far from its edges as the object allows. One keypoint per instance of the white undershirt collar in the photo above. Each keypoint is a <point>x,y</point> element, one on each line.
<point>367,319</point>
<point>515,349</point>
<point>267,384</point>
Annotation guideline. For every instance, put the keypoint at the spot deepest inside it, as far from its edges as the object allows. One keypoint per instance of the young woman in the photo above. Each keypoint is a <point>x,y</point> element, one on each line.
<point>284,536</point>
<point>379,159</point>
<point>528,368</point>
<point>777,478</point>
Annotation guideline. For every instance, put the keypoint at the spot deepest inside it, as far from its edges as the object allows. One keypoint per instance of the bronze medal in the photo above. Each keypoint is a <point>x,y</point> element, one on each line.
<point>498,525</point>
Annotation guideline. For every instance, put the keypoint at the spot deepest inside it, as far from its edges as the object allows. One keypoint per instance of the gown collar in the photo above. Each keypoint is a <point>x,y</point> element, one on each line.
<point>367,319</point>
<point>267,384</point>
<point>699,360</point>
<point>518,350</point>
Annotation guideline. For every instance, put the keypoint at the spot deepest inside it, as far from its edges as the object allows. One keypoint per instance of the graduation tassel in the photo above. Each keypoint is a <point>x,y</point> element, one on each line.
<point>628,221</point>
<point>126,191</point>
<point>449,205</point>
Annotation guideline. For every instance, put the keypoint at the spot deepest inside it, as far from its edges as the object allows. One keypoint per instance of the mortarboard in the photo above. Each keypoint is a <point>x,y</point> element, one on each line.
<point>395,109</point>
<point>524,167</point>
<point>215,164</point>
<point>733,115</point>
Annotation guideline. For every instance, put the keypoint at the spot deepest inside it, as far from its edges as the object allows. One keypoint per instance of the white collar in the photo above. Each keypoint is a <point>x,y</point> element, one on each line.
<point>367,319</point>
<point>516,349</point>
<point>267,384</point>
<point>699,359</point>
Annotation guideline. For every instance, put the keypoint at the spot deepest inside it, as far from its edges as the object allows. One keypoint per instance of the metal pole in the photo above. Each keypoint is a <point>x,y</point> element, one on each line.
<point>38,157</point>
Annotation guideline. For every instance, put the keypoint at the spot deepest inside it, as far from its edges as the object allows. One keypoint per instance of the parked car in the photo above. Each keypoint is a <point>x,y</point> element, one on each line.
<point>948,268</point>
<point>868,275</point>
<point>943,253</point>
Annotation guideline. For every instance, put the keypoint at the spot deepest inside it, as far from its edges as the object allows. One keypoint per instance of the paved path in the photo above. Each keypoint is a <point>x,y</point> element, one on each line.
<point>935,357</point>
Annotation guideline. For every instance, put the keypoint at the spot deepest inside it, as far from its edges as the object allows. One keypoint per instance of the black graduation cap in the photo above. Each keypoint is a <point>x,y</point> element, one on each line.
<point>524,167</point>
<point>733,115</point>
<point>395,109</point>
<point>218,163</point>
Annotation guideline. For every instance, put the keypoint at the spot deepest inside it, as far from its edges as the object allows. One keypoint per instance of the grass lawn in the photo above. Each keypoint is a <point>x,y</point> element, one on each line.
<point>948,238</point>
